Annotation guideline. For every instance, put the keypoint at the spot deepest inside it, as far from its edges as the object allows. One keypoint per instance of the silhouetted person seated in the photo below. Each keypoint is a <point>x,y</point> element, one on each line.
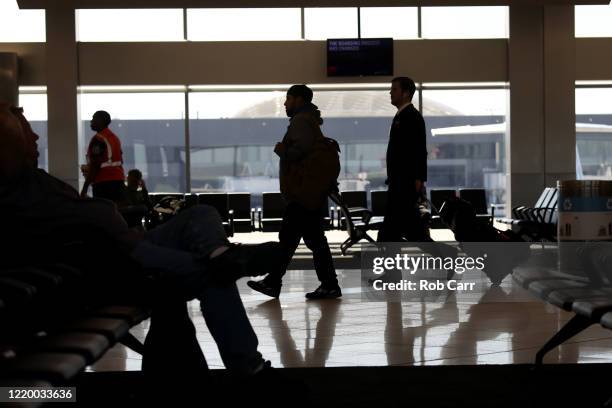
<point>137,202</point>
<point>191,253</point>
<point>137,193</point>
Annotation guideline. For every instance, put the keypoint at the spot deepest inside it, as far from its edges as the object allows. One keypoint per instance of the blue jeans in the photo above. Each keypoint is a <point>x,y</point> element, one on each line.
<point>179,249</point>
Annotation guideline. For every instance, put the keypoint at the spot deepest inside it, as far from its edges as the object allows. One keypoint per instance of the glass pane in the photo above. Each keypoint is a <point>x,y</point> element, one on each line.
<point>396,22</point>
<point>151,127</point>
<point>593,21</point>
<point>593,133</point>
<point>244,24</point>
<point>330,22</point>
<point>130,25</point>
<point>464,22</point>
<point>21,25</point>
<point>35,110</point>
<point>467,139</point>
<point>232,137</point>
<point>360,122</point>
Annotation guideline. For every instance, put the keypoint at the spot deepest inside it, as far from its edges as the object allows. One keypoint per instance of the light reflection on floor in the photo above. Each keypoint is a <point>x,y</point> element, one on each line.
<point>504,326</point>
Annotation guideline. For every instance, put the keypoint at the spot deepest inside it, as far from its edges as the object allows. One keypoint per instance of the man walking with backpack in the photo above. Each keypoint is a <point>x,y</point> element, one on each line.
<point>309,169</point>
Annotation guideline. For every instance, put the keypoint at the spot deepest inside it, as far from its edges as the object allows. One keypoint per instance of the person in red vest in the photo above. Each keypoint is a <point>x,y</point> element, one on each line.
<point>104,168</point>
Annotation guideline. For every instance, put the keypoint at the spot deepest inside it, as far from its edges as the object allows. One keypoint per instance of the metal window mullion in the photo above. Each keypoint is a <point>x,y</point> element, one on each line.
<point>303,19</point>
<point>463,88</point>
<point>594,86</point>
<point>187,146</point>
<point>185,24</point>
<point>421,98</point>
<point>419,24</point>
<point>358,22</point>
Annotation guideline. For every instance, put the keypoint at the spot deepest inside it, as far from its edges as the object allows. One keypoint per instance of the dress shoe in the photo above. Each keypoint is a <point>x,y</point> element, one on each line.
<point>242,260</point>
<point>323,292</point>
<point>262,287</point>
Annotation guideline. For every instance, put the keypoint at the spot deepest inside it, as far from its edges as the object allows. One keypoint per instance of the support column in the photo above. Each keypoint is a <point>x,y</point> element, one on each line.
<point>542,71</point>
<point>9,88</point>
<point>559,94</point>
<point>62,107</point>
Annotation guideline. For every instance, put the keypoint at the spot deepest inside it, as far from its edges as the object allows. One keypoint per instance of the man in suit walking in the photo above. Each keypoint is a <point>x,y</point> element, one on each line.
<point>406,167</point>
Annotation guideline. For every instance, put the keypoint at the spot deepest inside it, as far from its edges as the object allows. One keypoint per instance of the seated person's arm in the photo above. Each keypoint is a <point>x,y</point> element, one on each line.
<point>145,195</point>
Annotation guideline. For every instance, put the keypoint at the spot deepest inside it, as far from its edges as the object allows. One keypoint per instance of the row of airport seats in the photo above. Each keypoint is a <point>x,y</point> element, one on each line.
<point>234,208</point>
<point>49,332</point>
<point>538,222</point>
<point>62,309</point>
<point>477,197</point>
<point>584,290</point>
<point>238,215</point>
<point>357,219</point>
<point>575,277</point>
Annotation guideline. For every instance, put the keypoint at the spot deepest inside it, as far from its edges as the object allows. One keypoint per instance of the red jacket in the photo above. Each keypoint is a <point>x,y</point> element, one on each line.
<point>107,144</point>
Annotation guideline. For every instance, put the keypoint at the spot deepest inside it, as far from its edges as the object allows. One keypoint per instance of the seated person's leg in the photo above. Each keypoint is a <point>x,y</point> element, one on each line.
<point>229,325</point>
<point>181,249</point>
<point>171,345</point>
<point>177,271</point>
<point>186,275</point>
<point>198,230</point>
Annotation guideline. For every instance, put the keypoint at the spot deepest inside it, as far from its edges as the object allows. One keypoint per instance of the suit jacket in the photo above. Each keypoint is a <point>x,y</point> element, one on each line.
<point>407,149</point>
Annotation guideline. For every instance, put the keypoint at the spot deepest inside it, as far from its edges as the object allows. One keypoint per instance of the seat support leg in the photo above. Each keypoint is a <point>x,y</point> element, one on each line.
<point>132,343</point>
<point>576,324</point>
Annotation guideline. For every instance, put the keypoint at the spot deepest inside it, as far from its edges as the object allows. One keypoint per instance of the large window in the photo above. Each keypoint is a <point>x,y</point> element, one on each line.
<point>233,130</point>
<point>151,126</point>
<point>233,134</point>
<point>107,25</point>
<point>359,120</point>
<point>395,22</point>
<point>594,132</point>
<point>33,100</point>
<point>593,21</point>
<point>330,22</point>
<point>467,136</point>
<point>464,22</point>
<point>244,24</point>
<point>21,25</point>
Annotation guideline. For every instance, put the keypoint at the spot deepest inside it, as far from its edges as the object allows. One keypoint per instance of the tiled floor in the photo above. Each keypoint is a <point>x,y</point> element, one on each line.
<point>503,326</point>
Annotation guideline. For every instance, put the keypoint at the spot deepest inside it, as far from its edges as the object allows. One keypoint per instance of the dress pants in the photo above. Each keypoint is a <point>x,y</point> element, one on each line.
<point>402,218</point>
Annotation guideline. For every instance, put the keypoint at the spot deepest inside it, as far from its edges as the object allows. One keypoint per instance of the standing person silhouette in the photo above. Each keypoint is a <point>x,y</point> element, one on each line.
<point>306,196</point>
<point>104,168</point>
<point>406,167</point>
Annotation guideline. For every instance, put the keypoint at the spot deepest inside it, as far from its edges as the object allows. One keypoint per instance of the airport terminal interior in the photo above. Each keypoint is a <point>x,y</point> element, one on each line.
<point>516,97</point>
